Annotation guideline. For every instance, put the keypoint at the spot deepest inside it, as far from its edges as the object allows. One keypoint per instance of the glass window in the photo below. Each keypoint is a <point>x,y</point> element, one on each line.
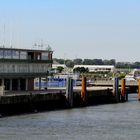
<point>44,56</point>
<point>15,54</point>
<point>1,53</point>
<point>23,55</point>
<point>8,54</point>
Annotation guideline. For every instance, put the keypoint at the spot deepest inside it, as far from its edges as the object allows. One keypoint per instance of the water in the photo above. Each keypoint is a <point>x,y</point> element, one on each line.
<point>103,122</point>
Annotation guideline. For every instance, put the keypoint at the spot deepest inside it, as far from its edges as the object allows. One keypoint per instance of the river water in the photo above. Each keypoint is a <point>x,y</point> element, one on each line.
<point>103,122</point>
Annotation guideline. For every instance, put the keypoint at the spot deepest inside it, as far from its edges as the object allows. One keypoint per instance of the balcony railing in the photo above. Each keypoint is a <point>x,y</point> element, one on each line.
<point>23,68</point>
<point>25,61</point>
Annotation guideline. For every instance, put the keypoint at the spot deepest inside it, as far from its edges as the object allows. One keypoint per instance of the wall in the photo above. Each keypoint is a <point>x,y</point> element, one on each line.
<point>23,68</point>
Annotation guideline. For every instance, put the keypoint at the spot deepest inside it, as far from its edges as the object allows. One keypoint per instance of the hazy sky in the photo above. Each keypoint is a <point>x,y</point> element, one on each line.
<point>91,29</point>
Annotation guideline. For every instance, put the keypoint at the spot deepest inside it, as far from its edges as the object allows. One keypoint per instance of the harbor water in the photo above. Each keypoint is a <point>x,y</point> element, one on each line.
<point>99,122</point>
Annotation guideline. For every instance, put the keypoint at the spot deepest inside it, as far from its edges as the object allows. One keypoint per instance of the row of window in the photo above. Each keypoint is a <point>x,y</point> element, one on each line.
<point>19,68</point>
<point>18,54</point>
<point>103,69</point>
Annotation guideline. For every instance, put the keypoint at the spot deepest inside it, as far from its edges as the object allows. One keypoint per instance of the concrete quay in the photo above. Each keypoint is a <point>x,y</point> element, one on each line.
<point>61,98</point>
<point>25,102</point>
<point>34,101</point>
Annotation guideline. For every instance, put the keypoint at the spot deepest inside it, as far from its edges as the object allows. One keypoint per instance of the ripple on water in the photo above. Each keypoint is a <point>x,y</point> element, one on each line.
<point>103,122</point>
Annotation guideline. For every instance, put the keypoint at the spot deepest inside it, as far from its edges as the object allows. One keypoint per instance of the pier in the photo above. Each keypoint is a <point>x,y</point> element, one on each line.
<point>23,102</point>
<point>60,98</point>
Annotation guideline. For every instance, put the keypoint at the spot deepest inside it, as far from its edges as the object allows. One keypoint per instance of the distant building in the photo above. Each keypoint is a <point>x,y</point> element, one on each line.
<point>133,75</point>
<point>19,67</point>
<point>97,68</point>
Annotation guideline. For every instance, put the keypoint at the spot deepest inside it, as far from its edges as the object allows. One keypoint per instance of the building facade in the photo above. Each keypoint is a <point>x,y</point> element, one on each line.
<point>19,67</point>
<point>97,68</point>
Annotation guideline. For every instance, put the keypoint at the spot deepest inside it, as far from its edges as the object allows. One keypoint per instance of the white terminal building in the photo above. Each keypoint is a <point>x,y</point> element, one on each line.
<point>19,67</point>
<point>97,68</point>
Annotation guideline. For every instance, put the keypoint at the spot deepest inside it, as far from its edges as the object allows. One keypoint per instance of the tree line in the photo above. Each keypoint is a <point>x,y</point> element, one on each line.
<point>70,63</point>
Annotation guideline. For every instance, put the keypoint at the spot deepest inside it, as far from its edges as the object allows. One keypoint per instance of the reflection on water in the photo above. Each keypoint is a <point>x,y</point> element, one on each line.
<point>104,122</point>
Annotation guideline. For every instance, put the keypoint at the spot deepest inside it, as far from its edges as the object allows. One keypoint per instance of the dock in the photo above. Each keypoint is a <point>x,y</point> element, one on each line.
<point>51,99</point>
<point>17,102</point>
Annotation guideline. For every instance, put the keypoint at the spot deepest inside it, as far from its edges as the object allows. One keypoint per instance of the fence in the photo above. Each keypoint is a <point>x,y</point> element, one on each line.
<point>55,82</point>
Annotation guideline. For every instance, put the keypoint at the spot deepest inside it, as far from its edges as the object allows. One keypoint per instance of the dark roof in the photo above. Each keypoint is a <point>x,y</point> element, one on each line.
<point>27,50</point>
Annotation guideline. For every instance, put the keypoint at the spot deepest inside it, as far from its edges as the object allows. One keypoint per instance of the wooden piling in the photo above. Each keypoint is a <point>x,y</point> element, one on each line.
<point>69,91</point>
<point>139,89</point>
<point>116,89</point>
<point>84,91</point>
<point>123,91</point>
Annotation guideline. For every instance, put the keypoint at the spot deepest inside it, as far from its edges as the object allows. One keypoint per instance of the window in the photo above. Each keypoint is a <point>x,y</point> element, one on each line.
<point>1,53</point>
<point>15,54</point>
<point>7,54</point>
<point>44,56</point>
<point>30,55</point>
<point>23,55</point>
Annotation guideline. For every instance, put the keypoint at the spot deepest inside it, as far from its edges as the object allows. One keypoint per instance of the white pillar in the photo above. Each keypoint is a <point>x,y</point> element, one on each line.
<point>2,82</point>
<point>11,81</point>
<point>39,83</point>
<point>2,92</point>
<point>26,84</point>
<point>18,84</point>
<point>46,82</point>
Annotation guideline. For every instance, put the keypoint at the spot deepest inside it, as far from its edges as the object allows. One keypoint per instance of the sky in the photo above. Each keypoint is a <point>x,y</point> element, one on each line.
<point>87,29</point>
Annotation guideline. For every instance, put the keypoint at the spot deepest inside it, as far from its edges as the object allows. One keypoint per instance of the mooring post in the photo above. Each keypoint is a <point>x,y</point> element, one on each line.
<point>139,89</point>
<point>123,92</point>
<point>116,89</point>
<point>84,91</point>
<point>69,91</point>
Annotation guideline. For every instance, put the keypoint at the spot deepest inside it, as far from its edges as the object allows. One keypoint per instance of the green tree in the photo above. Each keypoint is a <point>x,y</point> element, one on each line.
<point>60,69</point>
<point>113,62</point>
<point>81,70</point>
<point>87,62</point>
<point>136,65</point>
<point>60,61</point>
<point>97,62</point>
<point>69,63</point>
<point>78,61</point>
